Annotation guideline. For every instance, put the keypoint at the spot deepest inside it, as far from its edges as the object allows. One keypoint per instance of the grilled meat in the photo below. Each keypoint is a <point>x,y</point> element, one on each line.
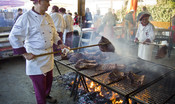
<point>85,64</point>
<point>107,47</point>
<point>75,57</point>
<point>98,56</point>
<point>121,67</point>
<point>106,67</point>
<point>115,75</point>
<point>135,79</point>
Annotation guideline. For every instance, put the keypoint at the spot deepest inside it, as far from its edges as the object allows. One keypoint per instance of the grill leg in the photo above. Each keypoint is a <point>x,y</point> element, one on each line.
<point>76,87</point>
<point>133,102</point>
<point>125,101</point>
<point>57,67</point>
<point>73,87</point>
<point>84,83</point>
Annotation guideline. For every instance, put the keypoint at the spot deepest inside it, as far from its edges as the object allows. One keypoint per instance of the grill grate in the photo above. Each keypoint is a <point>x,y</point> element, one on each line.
<point>159,92</point>
<point>155,90</point>
<point>171,101</point>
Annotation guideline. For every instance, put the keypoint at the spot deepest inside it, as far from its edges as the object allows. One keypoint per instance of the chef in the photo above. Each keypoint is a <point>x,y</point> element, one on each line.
<point>58,21</point>
<point>68,32</point>
<point>144,35</point>
<point>34,33</point>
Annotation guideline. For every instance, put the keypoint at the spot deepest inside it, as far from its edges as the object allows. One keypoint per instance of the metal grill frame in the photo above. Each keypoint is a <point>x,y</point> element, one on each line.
<point>125,95</point>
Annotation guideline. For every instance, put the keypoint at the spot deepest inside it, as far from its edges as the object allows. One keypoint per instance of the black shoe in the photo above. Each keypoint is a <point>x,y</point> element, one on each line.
<point>50,99</point>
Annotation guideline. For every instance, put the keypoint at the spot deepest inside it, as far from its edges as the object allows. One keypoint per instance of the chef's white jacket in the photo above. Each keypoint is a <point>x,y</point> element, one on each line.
<point>69,22</point>
<point>35,33</point>
<point>59,21</point>
<point>69,25</point>
<point>143,33</point>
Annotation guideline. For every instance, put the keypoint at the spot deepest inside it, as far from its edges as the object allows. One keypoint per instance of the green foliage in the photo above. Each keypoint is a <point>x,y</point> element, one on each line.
<point>160,12</point>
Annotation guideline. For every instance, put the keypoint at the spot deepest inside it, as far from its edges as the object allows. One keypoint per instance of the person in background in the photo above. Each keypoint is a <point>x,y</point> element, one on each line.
<point>68,33</point>
<point>97,16</point>
<point>144,11</point>
<point>114,13</point>
<point>97,21</point>
<point>19,14</point>
<point>33,34</point>
<point>88,18</point>
<point>76,19</point>
<point>108,23</point>
<point>145,34</point>
<point>70,14</point>
<point>129,24</point>
<point>58,21</point>
<point>68,11</point>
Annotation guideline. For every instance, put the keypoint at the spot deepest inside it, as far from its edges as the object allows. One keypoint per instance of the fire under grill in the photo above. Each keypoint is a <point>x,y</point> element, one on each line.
<point>158,86</point>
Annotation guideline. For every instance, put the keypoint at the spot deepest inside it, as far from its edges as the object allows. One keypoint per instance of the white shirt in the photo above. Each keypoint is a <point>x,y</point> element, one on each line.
<point>37,34</point>
<point>69,22</point>
<point>143,33</point>
<point>59,21</point>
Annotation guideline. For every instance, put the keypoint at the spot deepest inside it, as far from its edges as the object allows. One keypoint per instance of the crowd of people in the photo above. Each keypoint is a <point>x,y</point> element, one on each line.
<point>36,32</point>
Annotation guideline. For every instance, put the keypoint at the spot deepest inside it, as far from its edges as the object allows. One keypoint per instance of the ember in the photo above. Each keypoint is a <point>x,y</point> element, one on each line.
<point>96,95</point>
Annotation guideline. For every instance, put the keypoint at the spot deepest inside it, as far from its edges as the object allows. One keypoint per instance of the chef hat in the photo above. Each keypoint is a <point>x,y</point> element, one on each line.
<point>144,15</point>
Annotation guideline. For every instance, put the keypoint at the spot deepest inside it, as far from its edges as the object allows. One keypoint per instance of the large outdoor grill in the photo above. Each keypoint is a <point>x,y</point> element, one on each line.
<point>158,86</point>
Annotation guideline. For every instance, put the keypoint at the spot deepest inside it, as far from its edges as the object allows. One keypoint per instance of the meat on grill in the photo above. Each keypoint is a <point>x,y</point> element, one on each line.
<point>135,79</point>
<point>106,47</point>
<point>75,57</point>
<point>98,56</point>
<point>106,67</point>
<point>85,64</point>
<point>116,75</point>
<point>162,52</point>
<point>110,67</point>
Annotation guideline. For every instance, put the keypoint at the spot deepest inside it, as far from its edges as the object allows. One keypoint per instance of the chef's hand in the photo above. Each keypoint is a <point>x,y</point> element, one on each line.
<point>62,46</point>
<point>136,40</point>
<point>147,41</point>
<point>28,56</point>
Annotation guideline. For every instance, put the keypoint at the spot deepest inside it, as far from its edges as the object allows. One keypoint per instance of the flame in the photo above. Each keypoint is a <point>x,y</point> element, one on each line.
<point>119,102</point>
<point>98,89</point>
<point>72,82</point>
<point>92,84</point>
<point>113,99</point>
<point>113,96</point>
<point>144,95</point>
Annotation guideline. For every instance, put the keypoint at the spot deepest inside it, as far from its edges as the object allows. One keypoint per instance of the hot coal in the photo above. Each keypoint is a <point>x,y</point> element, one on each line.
<point>85,64</point>
<point>93,98</point>
<point>87,97</point>
<point>108,47</point>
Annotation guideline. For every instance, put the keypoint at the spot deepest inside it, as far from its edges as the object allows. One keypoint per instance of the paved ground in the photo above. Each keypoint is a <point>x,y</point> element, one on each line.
<point>16,87</point>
